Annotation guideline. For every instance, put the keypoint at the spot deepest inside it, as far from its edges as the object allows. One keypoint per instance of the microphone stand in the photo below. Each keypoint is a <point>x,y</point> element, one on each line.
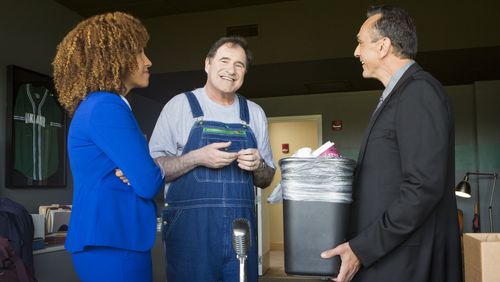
<point>243,276</point>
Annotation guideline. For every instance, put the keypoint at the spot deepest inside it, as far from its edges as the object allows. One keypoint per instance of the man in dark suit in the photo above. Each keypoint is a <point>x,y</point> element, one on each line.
<point>404,216</point>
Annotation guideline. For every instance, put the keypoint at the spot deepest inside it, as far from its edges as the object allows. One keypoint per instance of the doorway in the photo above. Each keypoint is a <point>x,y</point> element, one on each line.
<point>294,132</point>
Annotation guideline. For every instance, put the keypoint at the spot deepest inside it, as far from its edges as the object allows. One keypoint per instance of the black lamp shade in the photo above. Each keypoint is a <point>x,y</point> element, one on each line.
<point>463,189</point>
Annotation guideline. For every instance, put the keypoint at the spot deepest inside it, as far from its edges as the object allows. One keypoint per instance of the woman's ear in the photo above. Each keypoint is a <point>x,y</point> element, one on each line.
<point>207,64</point>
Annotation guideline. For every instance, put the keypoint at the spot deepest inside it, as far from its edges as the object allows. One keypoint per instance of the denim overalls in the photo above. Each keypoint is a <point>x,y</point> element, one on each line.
<point>201,205</point>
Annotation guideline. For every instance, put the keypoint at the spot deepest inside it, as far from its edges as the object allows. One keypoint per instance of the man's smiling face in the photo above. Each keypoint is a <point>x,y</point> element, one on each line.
<point>368,49</point>
<point>226,70</point>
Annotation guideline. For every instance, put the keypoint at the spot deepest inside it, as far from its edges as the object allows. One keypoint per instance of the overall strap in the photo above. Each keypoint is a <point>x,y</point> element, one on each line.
<point>244,113</point>
<point>194,104</point>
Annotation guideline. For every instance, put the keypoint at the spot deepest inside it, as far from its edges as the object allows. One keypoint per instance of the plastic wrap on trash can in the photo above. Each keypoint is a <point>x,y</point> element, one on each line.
<point>317,179</point>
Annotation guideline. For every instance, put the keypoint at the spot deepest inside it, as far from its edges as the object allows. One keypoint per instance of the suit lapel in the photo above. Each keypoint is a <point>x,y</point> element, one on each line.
<point>413,69</point>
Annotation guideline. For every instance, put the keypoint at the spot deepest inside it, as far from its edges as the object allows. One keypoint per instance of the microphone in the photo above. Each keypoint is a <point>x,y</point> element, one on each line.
<point>241,243</point>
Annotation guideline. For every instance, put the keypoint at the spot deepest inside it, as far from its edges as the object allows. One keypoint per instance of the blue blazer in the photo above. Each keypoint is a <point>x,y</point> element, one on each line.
<point>104,135</point>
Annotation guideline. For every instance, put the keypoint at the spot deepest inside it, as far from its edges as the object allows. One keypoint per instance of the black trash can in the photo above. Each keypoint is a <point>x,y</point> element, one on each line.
<point>316,198</point>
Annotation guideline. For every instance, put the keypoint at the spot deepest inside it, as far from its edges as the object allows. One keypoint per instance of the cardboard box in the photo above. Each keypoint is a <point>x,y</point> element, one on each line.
<point>482,257</point>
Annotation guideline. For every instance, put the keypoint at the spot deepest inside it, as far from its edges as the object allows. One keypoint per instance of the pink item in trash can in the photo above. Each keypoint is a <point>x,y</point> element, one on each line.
<point>327,150</point>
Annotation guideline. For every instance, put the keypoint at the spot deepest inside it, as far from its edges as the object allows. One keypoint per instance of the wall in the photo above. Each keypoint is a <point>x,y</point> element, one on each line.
<point>477,131</point>
<point>291,31</point>
<point>306,30</point>
<point>488,150</point>
<point>355,109</point>
<point>146,111</point>
<point>30,31</point>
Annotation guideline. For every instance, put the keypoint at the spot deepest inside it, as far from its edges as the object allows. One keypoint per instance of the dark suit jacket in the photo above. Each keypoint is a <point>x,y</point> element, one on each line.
<point>404,217</point>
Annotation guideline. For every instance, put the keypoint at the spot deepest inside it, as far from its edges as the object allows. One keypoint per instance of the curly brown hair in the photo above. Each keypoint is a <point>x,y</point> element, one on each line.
<point>97,55</point>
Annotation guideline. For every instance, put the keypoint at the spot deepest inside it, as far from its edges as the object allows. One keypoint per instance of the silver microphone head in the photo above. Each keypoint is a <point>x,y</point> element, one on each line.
<point>241,237</point>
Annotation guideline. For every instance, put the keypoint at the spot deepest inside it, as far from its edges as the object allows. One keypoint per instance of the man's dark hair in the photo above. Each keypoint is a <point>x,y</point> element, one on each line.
<point>396,24</point>
<point>232,40</point>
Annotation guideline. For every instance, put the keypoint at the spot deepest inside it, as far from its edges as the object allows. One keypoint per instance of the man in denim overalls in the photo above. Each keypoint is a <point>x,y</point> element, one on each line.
<point>213,146</point>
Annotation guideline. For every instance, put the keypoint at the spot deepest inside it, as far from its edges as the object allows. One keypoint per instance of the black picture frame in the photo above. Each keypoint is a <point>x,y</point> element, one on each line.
<point>36,129</point>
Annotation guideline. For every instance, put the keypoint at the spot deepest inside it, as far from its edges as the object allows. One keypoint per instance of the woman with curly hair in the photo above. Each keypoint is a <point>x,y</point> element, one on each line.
<point>113,225</point>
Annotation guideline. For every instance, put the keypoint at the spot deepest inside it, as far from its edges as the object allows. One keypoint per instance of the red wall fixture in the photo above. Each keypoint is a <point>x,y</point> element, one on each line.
<point>337,125</point>
<point>285,148</point>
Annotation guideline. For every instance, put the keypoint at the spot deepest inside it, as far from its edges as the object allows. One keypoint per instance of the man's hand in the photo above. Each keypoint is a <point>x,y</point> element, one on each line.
<point>123,178</point>
<point>350,262</point>
<point>249,159</point>
<point>214,155</point>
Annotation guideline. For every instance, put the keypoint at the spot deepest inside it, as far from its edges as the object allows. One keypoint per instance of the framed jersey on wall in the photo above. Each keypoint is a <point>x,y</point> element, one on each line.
<point>35,132</point>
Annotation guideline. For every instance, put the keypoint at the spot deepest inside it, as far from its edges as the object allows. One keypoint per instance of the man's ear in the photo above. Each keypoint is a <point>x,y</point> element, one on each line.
<point>385,47</point>
<point>207,64</point>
